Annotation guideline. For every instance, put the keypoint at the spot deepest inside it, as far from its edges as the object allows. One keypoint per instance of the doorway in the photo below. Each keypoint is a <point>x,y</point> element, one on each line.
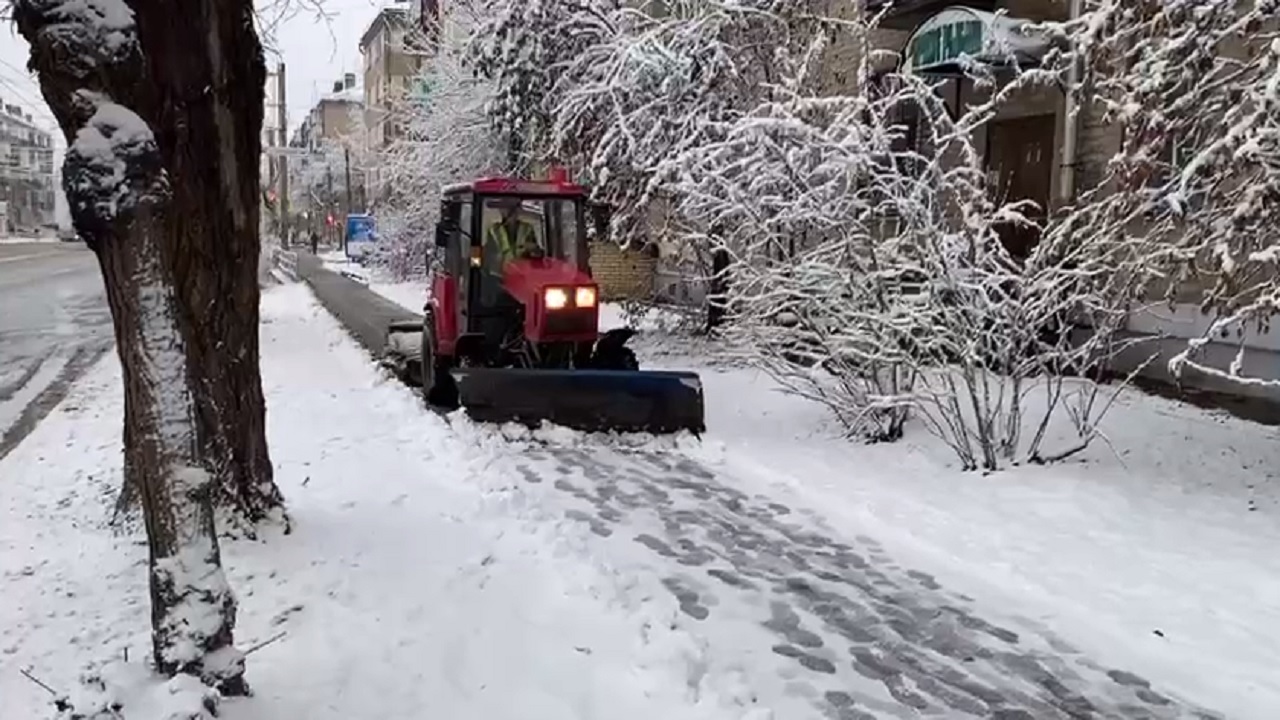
<point>1020,165</point>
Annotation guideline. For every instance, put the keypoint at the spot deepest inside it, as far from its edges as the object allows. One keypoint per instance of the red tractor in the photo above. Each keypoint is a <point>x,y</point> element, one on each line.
<point>511,332</point>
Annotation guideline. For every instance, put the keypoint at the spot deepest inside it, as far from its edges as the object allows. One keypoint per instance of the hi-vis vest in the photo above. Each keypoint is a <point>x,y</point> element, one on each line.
<point>507,247</point>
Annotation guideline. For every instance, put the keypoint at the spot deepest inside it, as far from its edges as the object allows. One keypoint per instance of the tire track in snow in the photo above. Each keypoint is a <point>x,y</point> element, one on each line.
<point>8,390</point>
<point>82,358</point>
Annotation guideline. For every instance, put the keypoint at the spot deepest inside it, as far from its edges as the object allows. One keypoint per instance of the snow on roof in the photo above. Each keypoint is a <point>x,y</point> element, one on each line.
<point>351,94</point>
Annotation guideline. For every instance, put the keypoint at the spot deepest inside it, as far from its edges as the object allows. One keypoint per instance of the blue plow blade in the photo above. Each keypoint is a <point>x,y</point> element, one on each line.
<point>651,401</point>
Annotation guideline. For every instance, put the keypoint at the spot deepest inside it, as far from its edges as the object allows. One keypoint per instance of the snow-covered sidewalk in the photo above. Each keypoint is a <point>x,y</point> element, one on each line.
<point>416,582</point>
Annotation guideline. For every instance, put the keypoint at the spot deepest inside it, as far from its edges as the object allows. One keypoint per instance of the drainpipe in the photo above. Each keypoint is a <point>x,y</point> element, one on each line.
<point>1071,123</point>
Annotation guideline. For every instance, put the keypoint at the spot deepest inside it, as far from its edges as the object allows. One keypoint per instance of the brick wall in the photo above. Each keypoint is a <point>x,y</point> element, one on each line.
<point>622,274</point>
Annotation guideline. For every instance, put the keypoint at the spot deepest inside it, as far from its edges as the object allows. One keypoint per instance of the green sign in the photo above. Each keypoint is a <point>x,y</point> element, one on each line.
<point>946,43</point>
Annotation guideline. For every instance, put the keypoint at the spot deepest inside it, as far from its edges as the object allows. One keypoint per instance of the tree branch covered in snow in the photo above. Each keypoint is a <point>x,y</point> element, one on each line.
<point>447,139</point>
<point>1195,88</point>
<point>647,88</point>
<point>872,271</point>
<point>521,48</point>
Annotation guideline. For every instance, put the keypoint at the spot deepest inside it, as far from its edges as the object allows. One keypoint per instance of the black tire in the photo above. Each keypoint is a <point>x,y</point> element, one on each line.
<point>426,359</point>
<point>438,389</point>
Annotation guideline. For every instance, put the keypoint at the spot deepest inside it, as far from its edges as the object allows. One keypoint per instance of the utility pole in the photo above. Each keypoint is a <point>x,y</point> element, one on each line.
<point>346,157</point>
<point>283,117</point>
<point>329,203</point>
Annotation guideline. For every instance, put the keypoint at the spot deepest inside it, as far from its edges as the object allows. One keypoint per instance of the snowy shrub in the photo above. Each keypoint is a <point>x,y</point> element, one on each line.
<point>869,272</point>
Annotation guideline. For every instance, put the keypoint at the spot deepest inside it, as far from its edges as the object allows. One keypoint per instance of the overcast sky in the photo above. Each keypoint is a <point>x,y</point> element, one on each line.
<point>316,51</point>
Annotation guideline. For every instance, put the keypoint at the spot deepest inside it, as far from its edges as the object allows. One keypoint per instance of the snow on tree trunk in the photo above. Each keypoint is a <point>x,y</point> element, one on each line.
<point>206,109</point>
<point>116,186</point>
<point>208,114</point>
<point>160,176</point>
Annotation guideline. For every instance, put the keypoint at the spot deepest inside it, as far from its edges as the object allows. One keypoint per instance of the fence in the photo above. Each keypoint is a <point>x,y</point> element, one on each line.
<point>286,263</point>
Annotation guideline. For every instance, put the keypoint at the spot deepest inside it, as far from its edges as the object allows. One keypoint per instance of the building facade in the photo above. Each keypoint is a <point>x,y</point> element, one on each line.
<point>1048,145</point>
<point>338,115</point>
<point>391,64</point>
<point>330,146</point>
<point>27,177</point>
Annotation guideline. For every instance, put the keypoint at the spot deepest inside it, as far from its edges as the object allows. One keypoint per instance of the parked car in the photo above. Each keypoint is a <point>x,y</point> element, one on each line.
<point>68,235</point>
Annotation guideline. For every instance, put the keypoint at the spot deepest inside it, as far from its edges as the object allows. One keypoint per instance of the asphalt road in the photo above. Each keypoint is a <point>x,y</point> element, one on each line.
<point>54,323</point>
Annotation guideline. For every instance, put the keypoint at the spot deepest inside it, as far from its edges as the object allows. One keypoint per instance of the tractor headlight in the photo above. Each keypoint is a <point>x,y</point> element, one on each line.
<point>584,297</point>
<point>555,298</point>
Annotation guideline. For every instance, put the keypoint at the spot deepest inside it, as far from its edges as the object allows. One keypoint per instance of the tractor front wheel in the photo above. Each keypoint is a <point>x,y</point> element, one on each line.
<point>437,384</point>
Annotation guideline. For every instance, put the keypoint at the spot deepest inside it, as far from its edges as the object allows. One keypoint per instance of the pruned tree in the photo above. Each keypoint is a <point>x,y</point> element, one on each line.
<point>162,107</point>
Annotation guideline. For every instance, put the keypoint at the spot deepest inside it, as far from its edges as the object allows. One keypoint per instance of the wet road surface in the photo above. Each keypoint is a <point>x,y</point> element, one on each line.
<point>54,324</point>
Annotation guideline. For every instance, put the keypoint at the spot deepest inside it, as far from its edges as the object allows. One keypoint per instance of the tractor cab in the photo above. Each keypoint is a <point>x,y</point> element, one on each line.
<point>516,263</point>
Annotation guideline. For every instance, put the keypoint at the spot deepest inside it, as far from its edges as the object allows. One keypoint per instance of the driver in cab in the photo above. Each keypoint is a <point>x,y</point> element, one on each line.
<point>509,237</point>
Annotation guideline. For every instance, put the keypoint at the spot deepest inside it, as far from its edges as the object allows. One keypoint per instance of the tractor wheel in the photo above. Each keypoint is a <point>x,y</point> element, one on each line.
<point>627,359</point>
<point>623,358</point>
<point>437,384</point>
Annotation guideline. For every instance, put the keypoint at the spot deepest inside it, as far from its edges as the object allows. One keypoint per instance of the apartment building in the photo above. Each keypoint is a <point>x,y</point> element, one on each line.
<point>337,115</point>
<point>1031,148</point>
<point>330,143</point>
<point>27,178</point>
<point>392,59</point>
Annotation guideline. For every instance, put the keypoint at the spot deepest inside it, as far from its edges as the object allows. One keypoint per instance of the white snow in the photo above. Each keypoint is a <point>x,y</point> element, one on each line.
<point>1159,559</point>
<point>417,580</point>
<point>1153,552</point>
<point>412,295</point>
<point>104,143</point>
<point>15,397</point>
<point>337,261</point>
<point>428,575</point>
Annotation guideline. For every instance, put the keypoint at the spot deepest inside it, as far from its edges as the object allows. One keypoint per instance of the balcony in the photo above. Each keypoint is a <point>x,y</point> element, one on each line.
<point>907,14</point>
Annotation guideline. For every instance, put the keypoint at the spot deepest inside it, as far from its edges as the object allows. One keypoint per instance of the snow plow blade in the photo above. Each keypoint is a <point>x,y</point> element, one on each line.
<point>587,400</point>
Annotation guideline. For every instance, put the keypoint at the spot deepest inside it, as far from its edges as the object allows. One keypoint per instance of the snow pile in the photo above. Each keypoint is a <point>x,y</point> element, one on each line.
<point>129,690</point>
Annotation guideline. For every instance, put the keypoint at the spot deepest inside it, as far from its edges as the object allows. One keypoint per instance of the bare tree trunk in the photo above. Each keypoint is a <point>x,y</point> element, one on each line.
<point>193,611</point>
<point>160,175</point>
<point>212,139</point>
<point>718,290</point>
